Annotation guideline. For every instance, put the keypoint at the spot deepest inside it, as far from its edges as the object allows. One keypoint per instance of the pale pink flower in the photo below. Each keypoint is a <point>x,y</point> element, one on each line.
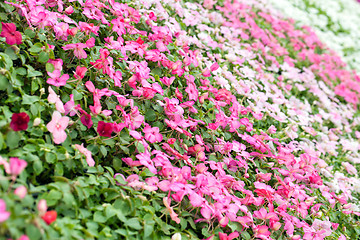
<point>90,161</point>
<point>20,191</point>
<point>42,207</point>
<point>53,98</point>
<point>57,127</point>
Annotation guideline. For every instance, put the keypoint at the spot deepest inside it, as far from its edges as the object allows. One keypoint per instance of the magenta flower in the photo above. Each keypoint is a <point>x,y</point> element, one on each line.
<point>17,166</point>
<point>19,121</point>
<point>4,215</point>
<point>57,127</point>
<point>9,32</point>
<point>104,129</point>
<point>56,79</point>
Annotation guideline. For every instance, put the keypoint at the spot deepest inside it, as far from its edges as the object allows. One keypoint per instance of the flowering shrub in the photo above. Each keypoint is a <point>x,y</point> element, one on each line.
<point>169,119</point>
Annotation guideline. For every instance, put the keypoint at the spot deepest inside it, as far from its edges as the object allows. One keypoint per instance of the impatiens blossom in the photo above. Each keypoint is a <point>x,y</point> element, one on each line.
<point>56,79</point>
<point>57,127</point>
<point>152,134</point>
<point>4,215</point>
<point>17,166</point>
<point>9,32</point>
<point>80,72</point>
<point>90,161</point>
<point>19,121</point>
<point>104,129</point>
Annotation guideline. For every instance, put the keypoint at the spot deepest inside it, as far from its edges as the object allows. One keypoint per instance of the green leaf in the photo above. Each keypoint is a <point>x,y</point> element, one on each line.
<point>140,147</point>
<point>50,157</point>
<point>133,223</point>
<point>77,95</point>
<point>11,53</point>
<point>245,235</point>
<point>38,167</point>
<point>52,197</point>
<point>1,141</point>
<point>27,99</point>
<point>4,82</point>
<point>103,151</point>
<point>12,139</point>
<point>43,57</point>
<point>33,231</point>
<point>150,115</point>
<point>148,229</point>
<point>30,33</point>
<point>49,67</point>
<point>99,217</point>
<point>32,73</point>
<point>37,47</point>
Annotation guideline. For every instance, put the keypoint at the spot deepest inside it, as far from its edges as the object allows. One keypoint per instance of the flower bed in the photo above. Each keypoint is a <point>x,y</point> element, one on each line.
<point>159,119</point>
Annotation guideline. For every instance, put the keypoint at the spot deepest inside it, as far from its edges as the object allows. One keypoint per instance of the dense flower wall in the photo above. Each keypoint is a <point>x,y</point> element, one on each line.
<point>173,119</point>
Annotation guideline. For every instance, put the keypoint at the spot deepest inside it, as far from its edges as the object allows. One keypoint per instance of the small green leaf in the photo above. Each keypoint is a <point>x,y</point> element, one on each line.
<point>140,147</point>
<point>11,53</point>
<point>12,139</point>
<point>30,33</point>
<point>27,99</point>
<point>49,67</point>
<point>38,167</point>
<point>133,223</point>
<point>50,157</point>
<point>150,115</point>
<point>99,217</point>
<point>4,83</point>
<point>37,47</point>
<point>43,57</point>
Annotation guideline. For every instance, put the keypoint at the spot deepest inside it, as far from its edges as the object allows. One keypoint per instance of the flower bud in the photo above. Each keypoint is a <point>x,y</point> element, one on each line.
<point>176,236</point>
<point>37,122</point>
<point>42,207</point>
<point>21,192</point>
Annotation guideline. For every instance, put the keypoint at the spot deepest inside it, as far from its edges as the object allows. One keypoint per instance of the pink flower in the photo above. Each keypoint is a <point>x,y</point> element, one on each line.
<point>152,134</point>
<point>90,161</point>
<point>56,79</point>
<point>78,49</point>
<point>23,237</point>
<point>21,191</point>
<point>53,98</point>
<point>42,207</point>
<point>80,72</point>
<point>191,88</point>
<point>57,127</point>
<point>224,236</point>
<point>173,215</point>
<point>9,32</point>
<point>17,166</point>
<point>4,215</point>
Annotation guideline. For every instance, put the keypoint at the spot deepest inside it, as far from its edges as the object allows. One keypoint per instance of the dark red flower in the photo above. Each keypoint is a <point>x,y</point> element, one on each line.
<point>19,121</point>
<point>9,32</point>
<point>105,129</point>
<point>49,217</point>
